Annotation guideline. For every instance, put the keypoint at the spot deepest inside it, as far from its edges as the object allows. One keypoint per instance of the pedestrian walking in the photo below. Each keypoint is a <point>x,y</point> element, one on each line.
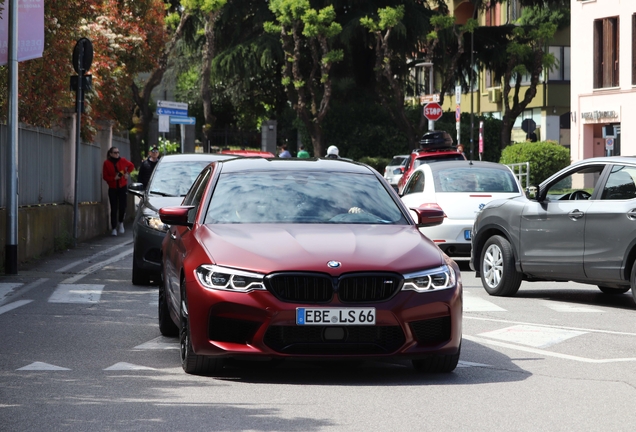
<point>302,153</point>
<point>148,166</point>
<point>115,172</point>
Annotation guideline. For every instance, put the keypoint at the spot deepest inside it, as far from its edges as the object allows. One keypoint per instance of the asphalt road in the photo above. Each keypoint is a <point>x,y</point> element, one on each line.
<point>81,351</point>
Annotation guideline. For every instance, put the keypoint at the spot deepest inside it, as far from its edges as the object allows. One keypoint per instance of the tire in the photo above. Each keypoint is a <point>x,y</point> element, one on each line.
<point>613,291</point>
<point>632,281</point>
<point>499,276</point>
<point>139,276</point>
<point>167,327</point>
<point>190,362</point>
<point>445,363</point>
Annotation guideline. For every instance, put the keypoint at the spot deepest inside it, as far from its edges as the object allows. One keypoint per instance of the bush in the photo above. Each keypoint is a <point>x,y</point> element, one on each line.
<point>377,163</point>
<point>545,157</point>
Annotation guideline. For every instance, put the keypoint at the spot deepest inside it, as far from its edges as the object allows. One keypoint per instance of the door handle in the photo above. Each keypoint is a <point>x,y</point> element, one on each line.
<point>576,214</point>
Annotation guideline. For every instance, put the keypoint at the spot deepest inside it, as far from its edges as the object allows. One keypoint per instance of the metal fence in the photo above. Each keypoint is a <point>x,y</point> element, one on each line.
<point>43,159</point>
<point>522,172</point>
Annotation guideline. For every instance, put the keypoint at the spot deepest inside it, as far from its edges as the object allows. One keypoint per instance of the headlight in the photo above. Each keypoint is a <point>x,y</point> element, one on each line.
<point>155,223</point>
<point>430,280</point>
<point>223,278</point>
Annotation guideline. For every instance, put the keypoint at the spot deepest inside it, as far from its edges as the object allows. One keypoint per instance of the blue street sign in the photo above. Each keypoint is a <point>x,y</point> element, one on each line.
<point>183,120</point>
<point>172,112</point>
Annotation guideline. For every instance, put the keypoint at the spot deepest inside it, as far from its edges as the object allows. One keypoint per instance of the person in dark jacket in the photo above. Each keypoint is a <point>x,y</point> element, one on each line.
<point>148,166</point>
<point>115,172</point>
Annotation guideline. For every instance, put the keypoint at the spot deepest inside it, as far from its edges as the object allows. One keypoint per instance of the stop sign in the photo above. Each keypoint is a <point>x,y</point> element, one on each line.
<point>432,111</point>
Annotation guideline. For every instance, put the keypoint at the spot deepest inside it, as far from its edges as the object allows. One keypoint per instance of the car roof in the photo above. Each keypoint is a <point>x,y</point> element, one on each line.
<point>419,154</point>
<point>292,164</point>
<point>438,166</point>
<point>608,159</point>
<point>184,157</point>
<point>248,153</point>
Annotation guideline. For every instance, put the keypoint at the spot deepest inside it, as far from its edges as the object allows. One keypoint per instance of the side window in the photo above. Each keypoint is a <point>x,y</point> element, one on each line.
<point>415,184</point>
<point>620,184</point>
<point>195,193</point>
<point>578,184</point>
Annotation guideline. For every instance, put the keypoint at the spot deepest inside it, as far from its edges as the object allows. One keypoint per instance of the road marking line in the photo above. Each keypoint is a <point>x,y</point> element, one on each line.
<point>96,267</point>
<point>39,366</point>
<point>81,293</point>
<point>104,252</point>
<point>550,326</point>
<point>473,303</point>
<point>563,307</point>
<point>14,305</point>
<point>160,343</point>
<point>462,363</point>
<point>122,366</point>
<point>546,353</point>
<point>6,288</point>
<point>538,337</point>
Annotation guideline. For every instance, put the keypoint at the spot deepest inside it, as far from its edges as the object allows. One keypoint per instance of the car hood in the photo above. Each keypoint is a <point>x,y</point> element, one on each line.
<point>155,202</point>
<point>267,248</point>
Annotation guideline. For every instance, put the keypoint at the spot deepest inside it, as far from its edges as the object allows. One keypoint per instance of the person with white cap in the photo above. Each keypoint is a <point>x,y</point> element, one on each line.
<point>332,152</point>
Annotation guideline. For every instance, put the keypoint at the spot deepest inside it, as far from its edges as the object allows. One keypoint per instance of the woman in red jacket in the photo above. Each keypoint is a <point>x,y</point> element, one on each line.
<point>115,172</point>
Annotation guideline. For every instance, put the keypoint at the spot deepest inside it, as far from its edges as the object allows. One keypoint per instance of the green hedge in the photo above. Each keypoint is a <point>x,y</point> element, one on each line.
<point>377,163</point>
<point>545,157</point>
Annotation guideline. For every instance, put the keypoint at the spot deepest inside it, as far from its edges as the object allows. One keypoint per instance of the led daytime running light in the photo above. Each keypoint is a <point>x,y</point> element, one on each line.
<point>430,280</point>
<point>228,279</point>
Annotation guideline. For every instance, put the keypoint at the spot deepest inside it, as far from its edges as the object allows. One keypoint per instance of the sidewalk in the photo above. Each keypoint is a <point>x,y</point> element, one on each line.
<point>67,265</point>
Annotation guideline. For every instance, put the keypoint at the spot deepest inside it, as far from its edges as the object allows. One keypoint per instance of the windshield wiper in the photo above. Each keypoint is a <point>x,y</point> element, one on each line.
<point>161,193</point>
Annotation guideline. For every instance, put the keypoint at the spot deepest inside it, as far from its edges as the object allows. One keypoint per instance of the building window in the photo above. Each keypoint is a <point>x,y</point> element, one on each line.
<point>606,52</point>
<point>561,69</point>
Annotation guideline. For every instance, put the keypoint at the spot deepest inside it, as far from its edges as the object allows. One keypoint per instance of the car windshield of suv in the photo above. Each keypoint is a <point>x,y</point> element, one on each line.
<point>302,197</point>
<point>475,180</point>
<point>430,159</point>
<point>174,179</point>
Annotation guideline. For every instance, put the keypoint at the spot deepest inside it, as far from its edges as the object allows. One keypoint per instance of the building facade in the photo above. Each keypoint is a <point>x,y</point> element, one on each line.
<point>603,83</point>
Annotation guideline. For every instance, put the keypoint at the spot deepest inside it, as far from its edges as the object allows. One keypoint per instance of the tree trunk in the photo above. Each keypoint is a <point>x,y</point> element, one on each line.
<point>206,83</point>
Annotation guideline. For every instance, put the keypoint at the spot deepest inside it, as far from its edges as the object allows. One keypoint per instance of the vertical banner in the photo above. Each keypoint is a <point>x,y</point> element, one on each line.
<point>30,30</point>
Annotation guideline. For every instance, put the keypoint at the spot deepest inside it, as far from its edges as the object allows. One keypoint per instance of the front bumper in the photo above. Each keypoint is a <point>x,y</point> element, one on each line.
<point>256,324</point>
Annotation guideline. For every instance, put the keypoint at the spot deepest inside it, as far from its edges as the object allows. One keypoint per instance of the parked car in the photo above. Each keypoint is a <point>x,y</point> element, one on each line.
<point>172,177</point>
<point>580,227</point>
<point>394,170</point>
<point>460,189</point>
<point>316,259</point>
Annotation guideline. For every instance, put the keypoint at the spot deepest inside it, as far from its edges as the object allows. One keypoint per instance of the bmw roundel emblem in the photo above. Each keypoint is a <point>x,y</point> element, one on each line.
<point>333,264</point>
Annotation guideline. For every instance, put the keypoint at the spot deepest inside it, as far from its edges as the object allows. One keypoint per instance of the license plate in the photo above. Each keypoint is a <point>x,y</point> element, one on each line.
<point>466,234</point>
<point>335,316</point>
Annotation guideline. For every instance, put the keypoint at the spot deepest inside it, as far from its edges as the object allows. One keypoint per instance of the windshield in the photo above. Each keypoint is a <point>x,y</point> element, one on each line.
<point>302,197</point>
<point>475,180</point>
<point>175,178</point>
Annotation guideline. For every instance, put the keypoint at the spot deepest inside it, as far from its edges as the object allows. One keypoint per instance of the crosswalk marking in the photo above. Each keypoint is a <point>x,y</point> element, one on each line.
<point>534,336</point>
<point>472,303</point>
<point>159,343</point>
<point>80,293</point>
<point>11,306</point>
<point>7,288</point>
<point>564,307</point>
<point>122,366</point>
<point>39,366</point>
<point>96,267</point>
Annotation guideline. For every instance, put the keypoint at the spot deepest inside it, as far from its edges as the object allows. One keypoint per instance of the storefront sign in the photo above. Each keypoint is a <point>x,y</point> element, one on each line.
<point>598,116</point>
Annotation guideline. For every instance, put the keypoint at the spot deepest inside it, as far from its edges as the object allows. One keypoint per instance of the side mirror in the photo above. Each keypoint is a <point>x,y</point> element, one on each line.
<point>175,215</point>
<point>429,215</point>
<point>136,189</point>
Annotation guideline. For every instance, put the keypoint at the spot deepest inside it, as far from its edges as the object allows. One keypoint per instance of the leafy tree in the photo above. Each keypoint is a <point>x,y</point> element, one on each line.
<point>307,35</point>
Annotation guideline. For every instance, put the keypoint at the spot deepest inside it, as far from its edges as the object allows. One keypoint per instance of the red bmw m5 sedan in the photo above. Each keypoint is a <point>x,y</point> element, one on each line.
<point>315,259</point>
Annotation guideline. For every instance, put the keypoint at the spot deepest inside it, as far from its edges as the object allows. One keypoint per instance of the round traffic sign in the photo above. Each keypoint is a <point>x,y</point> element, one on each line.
<point>83,56</point>
<point>433,111</point>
